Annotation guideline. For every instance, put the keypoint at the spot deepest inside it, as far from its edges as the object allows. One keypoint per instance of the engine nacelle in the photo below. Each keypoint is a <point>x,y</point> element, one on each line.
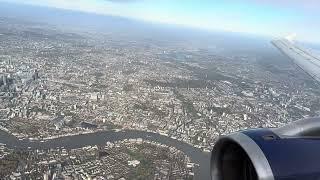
<point>291,152</point>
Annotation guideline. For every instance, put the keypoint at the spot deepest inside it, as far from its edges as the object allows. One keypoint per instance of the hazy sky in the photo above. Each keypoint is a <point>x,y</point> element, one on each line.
<point>265,17</point>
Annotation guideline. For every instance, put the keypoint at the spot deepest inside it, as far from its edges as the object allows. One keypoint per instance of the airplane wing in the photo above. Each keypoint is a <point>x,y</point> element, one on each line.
<point>307,61</point>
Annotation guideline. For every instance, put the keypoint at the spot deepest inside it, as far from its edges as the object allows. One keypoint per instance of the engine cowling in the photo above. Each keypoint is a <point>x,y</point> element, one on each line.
<point>291,152</point>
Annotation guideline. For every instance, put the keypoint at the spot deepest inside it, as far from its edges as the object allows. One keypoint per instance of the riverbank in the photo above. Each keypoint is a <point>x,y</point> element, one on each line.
<point>88,131</point>
<point>76,141</point>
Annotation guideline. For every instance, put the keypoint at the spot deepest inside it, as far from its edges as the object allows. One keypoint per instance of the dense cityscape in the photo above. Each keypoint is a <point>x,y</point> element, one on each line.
<point>128,159</point>
<point>57,82</point>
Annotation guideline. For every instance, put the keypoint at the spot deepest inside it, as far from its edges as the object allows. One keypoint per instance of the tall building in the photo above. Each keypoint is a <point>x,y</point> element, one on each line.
<point>4,80</point>
<point>35,75</point>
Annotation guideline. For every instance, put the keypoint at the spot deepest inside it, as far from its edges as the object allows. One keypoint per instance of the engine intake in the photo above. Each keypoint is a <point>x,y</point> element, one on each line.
<point>290,152</point>
<point>234,163</point>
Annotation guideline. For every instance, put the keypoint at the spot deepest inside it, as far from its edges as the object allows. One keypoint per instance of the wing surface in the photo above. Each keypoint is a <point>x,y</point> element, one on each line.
<point>307,61</point>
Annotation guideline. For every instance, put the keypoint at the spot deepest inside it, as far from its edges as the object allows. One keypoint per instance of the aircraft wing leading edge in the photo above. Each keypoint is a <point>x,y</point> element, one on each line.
<point>301,57</point>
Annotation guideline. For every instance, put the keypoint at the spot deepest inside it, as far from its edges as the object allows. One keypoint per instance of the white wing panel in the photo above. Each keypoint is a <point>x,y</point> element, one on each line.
<point>304,59</point>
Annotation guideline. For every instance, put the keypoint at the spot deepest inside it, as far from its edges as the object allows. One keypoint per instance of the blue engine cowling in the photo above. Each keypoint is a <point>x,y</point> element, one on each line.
<point>291,152</point>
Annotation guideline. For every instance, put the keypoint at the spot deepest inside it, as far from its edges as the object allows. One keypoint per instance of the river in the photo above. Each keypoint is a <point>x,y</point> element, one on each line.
<point>100,138</point>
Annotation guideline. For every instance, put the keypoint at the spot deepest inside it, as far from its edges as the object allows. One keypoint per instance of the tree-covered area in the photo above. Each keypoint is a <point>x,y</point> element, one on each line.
<point>11,162</point>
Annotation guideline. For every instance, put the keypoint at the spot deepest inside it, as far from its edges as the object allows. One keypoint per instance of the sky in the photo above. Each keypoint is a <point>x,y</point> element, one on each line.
<point>277,18</point>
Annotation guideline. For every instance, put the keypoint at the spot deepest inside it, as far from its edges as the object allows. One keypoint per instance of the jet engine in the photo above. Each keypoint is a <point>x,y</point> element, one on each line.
<point>291,152</point>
